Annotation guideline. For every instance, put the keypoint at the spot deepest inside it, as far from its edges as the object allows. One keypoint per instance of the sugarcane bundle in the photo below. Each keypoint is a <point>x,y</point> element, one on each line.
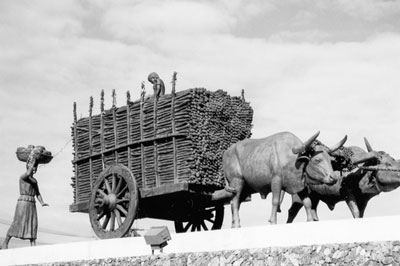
<point>177,137</point>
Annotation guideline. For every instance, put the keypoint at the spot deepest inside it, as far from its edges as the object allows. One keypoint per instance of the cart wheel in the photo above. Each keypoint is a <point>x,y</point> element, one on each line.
<point>210,218</point>
<point>113,202</point>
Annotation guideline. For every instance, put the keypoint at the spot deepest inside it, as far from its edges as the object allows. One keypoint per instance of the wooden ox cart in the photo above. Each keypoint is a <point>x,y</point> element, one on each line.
<point>157,158</point>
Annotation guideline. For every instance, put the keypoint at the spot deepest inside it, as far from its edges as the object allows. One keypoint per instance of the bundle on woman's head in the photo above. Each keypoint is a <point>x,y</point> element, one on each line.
<point>39,153</point>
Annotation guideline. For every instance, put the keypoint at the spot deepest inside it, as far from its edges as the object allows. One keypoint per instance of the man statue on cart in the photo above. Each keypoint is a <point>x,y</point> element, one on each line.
<point>158,84</point>
<point>25,223</point>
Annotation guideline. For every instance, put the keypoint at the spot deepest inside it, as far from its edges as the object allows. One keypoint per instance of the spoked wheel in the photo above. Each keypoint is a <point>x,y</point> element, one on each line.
<point>210,218</point>
<point>113,202</point>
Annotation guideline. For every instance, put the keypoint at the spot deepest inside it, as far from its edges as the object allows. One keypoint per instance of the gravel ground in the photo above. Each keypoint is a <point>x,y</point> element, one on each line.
<point>370,253</point>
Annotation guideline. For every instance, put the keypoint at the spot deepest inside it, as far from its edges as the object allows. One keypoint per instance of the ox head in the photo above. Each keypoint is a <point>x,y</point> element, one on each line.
<point>383,171</point>
<point>317,161</point>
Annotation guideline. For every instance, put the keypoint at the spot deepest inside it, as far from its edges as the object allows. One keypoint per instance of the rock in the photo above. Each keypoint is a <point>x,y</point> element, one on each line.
<point>238,262</point>
<point>258,263</point>
<point>230,258</point>
<point>387,260</point>
<point>327,251</point>
<point>214,262</point>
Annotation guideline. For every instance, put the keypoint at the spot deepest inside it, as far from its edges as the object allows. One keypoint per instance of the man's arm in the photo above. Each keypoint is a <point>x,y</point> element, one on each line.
<point>160,89</point>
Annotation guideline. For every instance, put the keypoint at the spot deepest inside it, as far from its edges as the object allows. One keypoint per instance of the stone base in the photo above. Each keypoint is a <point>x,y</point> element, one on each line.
<point>374,253</point>
<point>368,240</point>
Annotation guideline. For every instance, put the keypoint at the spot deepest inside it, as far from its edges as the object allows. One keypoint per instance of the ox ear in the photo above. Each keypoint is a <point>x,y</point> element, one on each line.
<point>300,160</point>
<point>306,145</point>
<point>369,148</point>
<point>366,157</point>
<point>337,146</point>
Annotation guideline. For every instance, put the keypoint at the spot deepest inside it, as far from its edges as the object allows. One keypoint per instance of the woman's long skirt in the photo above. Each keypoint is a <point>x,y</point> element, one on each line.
<point>25,221</point>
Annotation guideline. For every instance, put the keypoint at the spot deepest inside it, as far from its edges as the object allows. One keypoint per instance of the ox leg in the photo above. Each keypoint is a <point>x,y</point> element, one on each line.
<point>276,188</point>
<point>293,211</point>
<point>314,205</point>
<point>353,206</point>
<point>307,204</point>
<point>237,184</point>
<point>361,206</point>
<point>281,200</point>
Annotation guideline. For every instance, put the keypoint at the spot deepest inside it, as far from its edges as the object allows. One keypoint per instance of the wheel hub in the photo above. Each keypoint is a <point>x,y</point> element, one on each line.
<point>110,201</point>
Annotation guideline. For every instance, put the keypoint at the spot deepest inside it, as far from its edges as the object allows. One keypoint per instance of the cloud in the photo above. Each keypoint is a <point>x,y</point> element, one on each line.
<point>370,10</point>
<point>147,20</point>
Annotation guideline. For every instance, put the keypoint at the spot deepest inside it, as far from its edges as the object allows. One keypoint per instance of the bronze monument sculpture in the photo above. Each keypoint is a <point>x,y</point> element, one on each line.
<point>25,220</point>
<point>275,163</point>
<point>356,184</point>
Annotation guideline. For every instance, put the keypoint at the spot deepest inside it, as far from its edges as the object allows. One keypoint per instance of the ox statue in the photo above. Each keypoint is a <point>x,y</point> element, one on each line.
<point>275,163</point>
<point>356,185</point>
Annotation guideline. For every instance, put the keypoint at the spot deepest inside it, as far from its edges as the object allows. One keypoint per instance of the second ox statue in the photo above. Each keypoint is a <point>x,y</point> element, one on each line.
<point>379,173</point>
<point>278,162</point>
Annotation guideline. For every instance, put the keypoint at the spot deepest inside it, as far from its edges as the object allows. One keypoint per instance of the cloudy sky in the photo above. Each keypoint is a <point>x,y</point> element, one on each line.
<point>304,65</point>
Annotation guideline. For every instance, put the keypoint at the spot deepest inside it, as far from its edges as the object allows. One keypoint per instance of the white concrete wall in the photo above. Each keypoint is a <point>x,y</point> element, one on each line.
<point>324,232</point>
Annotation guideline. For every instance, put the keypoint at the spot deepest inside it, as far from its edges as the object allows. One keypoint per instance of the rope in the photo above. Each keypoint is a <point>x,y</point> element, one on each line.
<point>63,148</point>
<point>60,151</point>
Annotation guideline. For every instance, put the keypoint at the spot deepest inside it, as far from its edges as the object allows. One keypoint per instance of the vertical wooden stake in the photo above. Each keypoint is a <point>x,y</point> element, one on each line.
<point>102,128</point>
<point>156,172</point>
<point>142,94</point>
<point>114,98</point>
<point>175,163</point>
<point>76,154</point>
<point>128,127</point>
<point>90,142</point>
<point>114,108</point>
<point>174,81</point>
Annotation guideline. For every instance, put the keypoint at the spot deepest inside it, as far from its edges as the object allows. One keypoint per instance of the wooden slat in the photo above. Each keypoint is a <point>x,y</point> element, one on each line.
<point>79,207</point>
<point>132,144</point>
<point>163,190</point>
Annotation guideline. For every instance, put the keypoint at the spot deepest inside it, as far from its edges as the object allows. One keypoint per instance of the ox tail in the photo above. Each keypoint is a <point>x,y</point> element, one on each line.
<point>227,192</point>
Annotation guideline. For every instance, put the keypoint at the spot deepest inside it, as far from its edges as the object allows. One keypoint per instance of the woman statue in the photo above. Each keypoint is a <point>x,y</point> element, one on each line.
<point>25,223</point>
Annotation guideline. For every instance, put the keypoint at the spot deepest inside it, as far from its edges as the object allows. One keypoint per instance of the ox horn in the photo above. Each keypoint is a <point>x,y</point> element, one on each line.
<point>306,144</point>
<point>337,146</point>
<point>369,148</point>
<point>366,157</point>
